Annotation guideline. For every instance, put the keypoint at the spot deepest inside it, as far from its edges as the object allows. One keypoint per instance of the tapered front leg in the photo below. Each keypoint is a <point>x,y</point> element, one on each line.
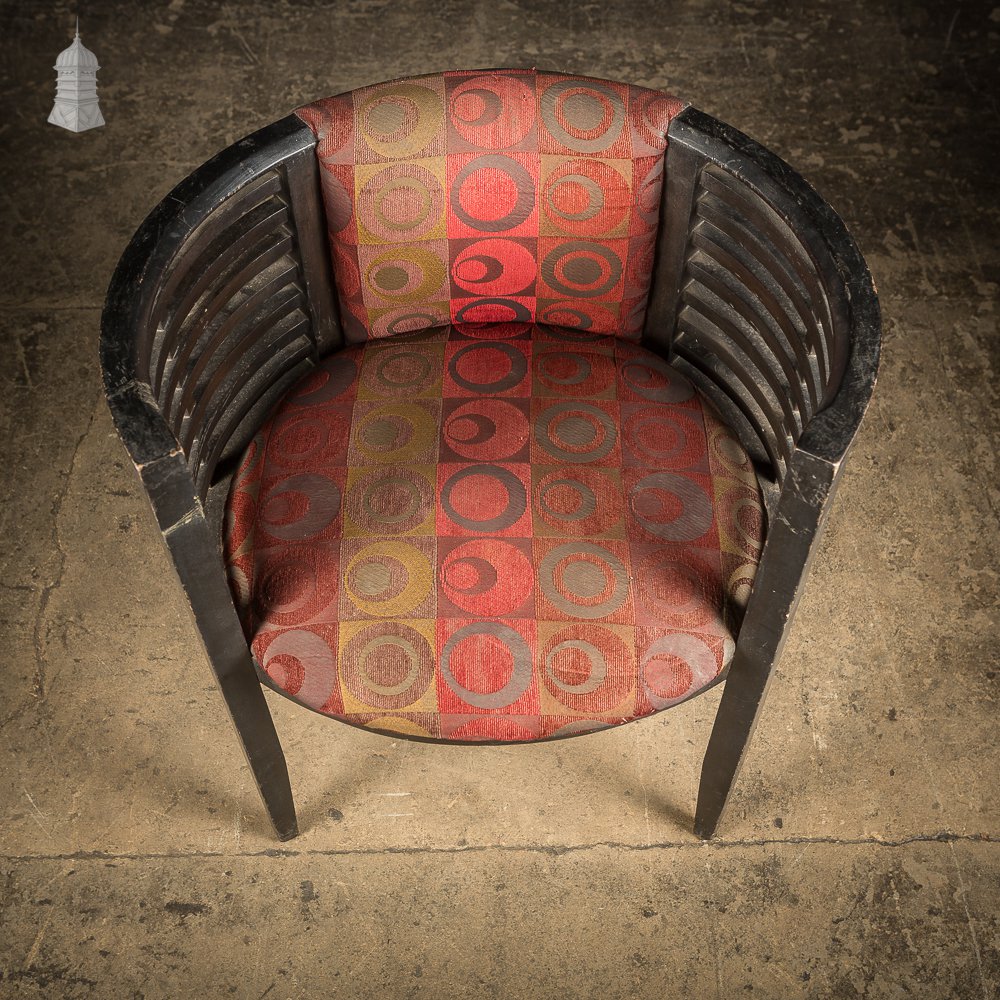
<point>742,699</point>
<point>199,565</point>
<point>792,533</point>
<point>255,728</point>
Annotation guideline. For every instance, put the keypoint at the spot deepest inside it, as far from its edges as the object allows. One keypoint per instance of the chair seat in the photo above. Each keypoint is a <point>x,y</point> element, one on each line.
<point>493,533</point>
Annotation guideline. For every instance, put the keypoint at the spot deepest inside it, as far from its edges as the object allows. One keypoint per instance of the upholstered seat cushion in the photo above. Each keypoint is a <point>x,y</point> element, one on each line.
<point>498,533</point>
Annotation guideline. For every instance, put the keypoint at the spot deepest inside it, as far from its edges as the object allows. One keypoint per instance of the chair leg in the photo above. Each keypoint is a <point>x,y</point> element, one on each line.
<point>248,709</point>
<point>742,698</point>
<point>195,551</point>
<point>793,529</point>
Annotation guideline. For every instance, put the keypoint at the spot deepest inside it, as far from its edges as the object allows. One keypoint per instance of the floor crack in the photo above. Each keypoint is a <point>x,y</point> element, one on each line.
<point>38,688</point>
<point>554,850</point>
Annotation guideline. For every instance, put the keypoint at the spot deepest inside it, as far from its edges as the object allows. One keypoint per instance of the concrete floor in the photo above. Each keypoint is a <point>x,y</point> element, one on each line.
<point>860,856</point>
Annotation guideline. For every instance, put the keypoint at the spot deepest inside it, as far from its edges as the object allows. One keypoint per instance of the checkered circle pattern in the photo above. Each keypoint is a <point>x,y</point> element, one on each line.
<point>493,533</point>
<point>509,196</point>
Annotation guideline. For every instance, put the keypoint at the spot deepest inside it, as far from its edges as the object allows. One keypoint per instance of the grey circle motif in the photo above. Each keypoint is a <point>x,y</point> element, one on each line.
<point>579,374</point>
<point>575,424</point>
<point>584,274</point>
<point>636,374</point>
<point>598,664</point>
<point>547,106</point>
<point>409,383</point>
<point>517,498</point>
<point>520,676</point>
<point>379,642</point>
<point>595,198</point>
<point>690,650</point>
<point>652,456</point>
<point>695,518</point>
<point>521,312</point>
<point>394,499</point>
<point>587,497</point>
<point>342,372</point>
<point>324,505</point>
<point>525,193</point>
<point>547,581</point>
<point>518,368</point>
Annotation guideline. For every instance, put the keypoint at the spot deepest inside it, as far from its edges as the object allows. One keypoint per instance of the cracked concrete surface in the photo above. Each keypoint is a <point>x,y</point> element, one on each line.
<point>859,857</point>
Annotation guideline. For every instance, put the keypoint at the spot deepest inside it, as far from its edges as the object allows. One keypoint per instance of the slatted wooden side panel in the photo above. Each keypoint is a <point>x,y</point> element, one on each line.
<point>231,321</point>
<point>221,300</point>
<point>754,326</point>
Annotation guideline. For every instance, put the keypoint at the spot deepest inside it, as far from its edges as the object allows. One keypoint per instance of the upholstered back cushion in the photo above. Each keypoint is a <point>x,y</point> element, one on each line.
<point>491,197</point>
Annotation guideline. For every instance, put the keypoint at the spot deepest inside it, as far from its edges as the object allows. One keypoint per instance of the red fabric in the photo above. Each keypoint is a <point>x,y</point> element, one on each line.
<point>493,533</point>
<point>511,195</point>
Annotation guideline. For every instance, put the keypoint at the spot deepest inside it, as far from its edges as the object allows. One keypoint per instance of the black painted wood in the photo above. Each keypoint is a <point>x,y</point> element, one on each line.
<point>776,319</point>
<point>223,298</point>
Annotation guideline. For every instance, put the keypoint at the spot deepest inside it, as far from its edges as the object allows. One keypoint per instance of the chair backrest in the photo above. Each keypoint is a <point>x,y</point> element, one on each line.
<point>499,196</point>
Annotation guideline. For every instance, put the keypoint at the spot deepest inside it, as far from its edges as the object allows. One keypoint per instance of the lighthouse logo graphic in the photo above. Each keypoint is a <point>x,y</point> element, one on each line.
<point>76,106</point>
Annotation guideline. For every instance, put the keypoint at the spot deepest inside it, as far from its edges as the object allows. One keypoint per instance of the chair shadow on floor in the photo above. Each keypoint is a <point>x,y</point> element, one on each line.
<point>597,781</point>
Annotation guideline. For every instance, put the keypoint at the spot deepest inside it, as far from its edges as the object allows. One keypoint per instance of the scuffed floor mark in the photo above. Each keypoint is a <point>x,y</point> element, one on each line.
<point>185,910</point>
<point>970,923</point>
<point>36,945</point>
<point>38,816</point>
<point>40,642</point>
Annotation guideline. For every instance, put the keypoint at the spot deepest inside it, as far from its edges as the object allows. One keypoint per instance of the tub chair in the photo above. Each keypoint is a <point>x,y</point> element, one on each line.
<point>492,406</point>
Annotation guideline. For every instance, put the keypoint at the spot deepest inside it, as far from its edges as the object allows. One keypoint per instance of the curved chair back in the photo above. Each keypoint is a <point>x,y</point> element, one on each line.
<point>498,196</point>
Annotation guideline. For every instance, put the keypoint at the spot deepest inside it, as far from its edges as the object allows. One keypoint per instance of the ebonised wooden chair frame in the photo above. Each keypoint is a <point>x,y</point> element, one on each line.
<point>224,298</point>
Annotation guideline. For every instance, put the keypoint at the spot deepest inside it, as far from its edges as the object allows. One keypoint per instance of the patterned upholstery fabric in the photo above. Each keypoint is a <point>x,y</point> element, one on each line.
<point>504,196</point>
<point>499,533</point>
